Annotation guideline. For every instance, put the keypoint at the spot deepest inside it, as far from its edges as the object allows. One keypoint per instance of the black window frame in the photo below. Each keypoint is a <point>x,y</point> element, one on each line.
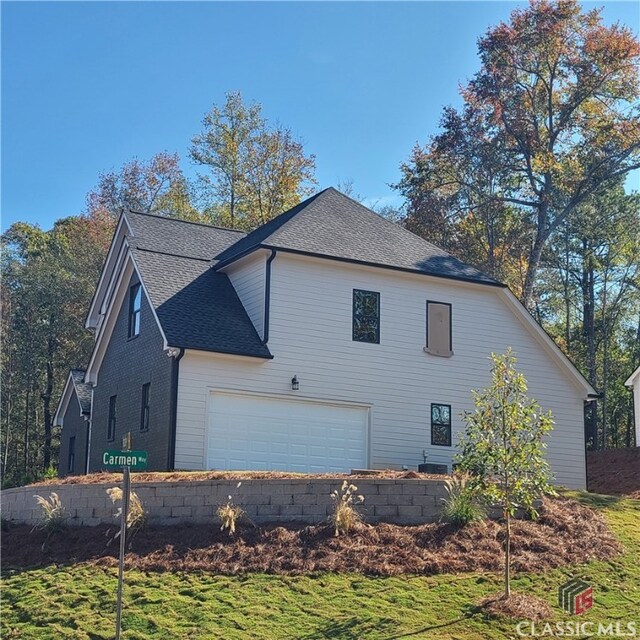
<point>446,304</point>
<point>440,424</point>
<point>135,311</point>
<point>71,456</point>
<point>354,338</point>
<point>145,406</point>
<point>112,420</point>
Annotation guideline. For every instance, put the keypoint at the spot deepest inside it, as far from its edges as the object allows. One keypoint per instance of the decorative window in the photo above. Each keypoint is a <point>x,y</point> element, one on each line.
<point>135,302</point>
<point>72,454</point>
<point>439,330</point>
<point>111,425</point>
<point>144,412</point>
<point>366,316</point>
<point>441,425</point>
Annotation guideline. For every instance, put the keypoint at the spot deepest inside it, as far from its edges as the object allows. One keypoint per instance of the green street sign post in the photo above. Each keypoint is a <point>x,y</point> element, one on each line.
<point>115,460</point>
<point>126,460</point>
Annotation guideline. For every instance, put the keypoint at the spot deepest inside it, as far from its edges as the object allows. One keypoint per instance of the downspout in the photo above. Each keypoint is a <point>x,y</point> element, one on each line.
<point>267,297</point>
<point>88,445</point>
<point>174,410</point>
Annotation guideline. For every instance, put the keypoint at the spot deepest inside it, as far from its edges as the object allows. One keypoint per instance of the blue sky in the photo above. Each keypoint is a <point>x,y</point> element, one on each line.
<point>86,86</point>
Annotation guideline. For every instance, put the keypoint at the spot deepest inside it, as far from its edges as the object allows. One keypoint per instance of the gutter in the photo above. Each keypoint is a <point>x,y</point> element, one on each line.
<point>267,297</point>
<point>175,369</point>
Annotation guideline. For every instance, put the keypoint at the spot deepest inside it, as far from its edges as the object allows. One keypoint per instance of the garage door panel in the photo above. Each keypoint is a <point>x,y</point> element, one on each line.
<point>255,432</point>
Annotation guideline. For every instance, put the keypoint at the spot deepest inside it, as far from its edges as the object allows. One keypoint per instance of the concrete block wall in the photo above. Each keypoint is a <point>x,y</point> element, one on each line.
<point>402,501</point>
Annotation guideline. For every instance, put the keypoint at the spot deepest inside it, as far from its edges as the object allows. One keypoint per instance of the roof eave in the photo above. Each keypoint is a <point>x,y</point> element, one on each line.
<point>221,265</point>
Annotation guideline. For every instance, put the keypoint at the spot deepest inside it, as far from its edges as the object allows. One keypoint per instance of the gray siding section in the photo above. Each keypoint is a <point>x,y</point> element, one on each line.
<point>127,365</point>
<point>73,425</point>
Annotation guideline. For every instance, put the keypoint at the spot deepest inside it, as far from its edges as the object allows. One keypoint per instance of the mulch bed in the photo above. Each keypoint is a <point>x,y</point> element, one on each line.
<point>192,476</point>
<point>566,532</point>
<point>615,472</point>
<point>517,607</point>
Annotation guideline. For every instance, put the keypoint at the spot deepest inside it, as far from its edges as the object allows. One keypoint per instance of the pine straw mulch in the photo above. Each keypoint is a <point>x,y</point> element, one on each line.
<point>195,476</point>
<point>615,472</point>
<point>566,532</point>
<point>517,607</point>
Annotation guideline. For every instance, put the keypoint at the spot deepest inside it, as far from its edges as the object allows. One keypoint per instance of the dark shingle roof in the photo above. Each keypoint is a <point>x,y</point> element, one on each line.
<point>333,225</point>
<point>179,237</point>
<point>197,307</point>
<point>83,390</point>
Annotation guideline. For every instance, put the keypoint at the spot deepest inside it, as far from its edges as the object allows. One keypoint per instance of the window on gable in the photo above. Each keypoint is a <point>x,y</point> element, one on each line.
<point>111,425</point>
<point>366,316</point>
<point>441,425</point>
<point>71,463</point>
<point>439,329</point>
<point>135,302</point>
<point>144,412</point>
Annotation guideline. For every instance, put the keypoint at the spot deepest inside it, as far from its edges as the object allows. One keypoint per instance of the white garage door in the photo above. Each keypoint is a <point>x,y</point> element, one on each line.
<point>261,433</point>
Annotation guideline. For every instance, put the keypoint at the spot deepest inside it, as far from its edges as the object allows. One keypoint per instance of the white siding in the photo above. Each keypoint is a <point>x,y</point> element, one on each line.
<point>248,279</point>
<point>310,336</point>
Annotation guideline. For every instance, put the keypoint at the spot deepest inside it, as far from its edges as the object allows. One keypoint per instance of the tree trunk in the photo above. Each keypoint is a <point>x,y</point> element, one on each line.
<point>27,411</point>
<point>542,235</point>
<point>507,556</point>
<point>589,309</point>
<point>46,411</point>
<point>46,397</point>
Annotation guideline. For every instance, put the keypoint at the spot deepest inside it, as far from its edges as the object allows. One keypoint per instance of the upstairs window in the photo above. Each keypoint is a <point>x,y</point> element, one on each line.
<point>441,425</point>
<point>111,424</point>
<point>366,316</point>
<point>144,412</point>
<point>71,463</point>
<point>135,302</point>
<point>439,330</point>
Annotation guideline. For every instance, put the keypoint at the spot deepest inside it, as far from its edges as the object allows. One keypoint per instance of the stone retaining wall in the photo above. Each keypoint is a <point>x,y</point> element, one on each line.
<point>402,501</point>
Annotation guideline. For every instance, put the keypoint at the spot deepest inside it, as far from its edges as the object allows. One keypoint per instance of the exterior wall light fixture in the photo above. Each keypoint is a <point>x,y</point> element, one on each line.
<point>295,383</point>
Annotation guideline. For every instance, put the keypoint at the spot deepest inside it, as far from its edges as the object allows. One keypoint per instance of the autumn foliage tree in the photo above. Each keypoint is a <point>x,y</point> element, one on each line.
<point>48,280</point>
<point>549,120</point>
<point>252,170</point>
<point>157,185</point>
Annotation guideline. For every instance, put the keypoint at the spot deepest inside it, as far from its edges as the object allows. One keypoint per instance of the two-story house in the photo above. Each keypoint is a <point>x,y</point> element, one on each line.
<point>325,340</point>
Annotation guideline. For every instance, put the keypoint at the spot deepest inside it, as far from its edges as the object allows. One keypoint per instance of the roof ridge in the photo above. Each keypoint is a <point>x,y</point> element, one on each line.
<point>200,224</point>
<point>173,255</point>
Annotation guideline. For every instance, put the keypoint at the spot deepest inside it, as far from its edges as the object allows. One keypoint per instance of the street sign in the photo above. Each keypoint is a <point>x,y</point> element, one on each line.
<point>116,460</point>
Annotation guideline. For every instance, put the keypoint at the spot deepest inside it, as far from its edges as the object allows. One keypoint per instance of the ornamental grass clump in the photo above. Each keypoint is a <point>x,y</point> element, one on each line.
<point>229,514</point>
<point>136,514</point>
<point>462,505</point>
<point>54,516</point>
<point>345,513</point>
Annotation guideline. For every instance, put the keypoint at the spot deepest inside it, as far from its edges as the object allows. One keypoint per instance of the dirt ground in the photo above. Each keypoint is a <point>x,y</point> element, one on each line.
<point>566,532</point>
<point>614,472</point>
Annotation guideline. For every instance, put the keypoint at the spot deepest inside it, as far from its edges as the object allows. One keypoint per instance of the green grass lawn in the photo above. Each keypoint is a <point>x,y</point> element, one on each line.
<point>78,601</point>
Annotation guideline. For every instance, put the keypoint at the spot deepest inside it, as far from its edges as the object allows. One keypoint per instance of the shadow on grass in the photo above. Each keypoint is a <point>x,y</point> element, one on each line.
<point>469,611</point>
<point>596,500</point>
<point>356,628</point>
<point>353,628</point>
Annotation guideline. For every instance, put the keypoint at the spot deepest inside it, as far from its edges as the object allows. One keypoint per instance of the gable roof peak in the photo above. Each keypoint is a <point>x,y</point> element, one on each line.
<point>332,225</point>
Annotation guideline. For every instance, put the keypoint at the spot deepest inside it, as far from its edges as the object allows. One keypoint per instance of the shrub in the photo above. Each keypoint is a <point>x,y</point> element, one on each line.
<point>51,473</point>
<point>229,513</point>
<point>136,515</point>
<point>345,514</point>
<point>54,516</point>
<point>461,506</point>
